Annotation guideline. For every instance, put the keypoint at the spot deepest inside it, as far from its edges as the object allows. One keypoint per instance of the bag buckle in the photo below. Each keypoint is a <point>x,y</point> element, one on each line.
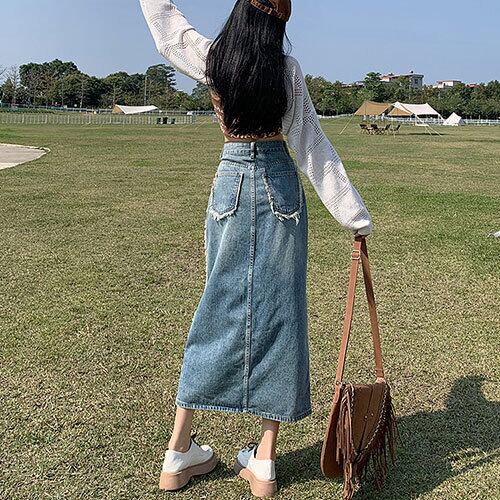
<point>356,255</point>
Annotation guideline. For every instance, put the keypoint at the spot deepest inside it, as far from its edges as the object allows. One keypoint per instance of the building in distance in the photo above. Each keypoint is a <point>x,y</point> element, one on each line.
<point>447,84</point>
<point>359,84</point>
<point>415,80</point>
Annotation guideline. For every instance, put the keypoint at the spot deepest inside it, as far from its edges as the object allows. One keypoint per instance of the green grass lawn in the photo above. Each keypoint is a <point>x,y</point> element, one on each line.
<point>102,266</point>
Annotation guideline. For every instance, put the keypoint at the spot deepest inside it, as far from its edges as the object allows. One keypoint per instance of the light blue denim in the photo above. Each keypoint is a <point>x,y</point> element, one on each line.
<point>247,347</point>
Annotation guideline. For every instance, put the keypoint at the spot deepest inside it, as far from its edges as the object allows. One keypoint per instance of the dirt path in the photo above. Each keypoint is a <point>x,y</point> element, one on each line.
<point>12,155</point>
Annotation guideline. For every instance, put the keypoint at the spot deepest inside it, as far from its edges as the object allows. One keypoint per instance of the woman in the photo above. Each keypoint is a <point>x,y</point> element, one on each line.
<point>247,348</point>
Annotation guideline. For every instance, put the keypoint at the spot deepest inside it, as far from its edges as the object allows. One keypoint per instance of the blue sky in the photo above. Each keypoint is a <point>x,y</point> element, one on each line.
<point>443,39</point>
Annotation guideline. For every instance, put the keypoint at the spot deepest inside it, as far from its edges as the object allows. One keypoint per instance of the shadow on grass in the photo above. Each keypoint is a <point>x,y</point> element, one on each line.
<point>221,471</point>
<point>435,446</point>
<point>426,133</point>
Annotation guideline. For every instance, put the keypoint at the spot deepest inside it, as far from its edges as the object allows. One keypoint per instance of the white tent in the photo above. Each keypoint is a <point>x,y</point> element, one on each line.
<point>133,110</point>
<point>454,120</point>
<point>417,110</point>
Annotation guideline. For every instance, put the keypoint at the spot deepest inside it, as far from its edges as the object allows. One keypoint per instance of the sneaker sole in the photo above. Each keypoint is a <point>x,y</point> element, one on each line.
<point>175,481</point>
<point>258,487</point>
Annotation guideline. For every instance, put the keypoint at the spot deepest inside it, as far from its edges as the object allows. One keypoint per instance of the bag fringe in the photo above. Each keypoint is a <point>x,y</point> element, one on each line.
<point>346,450</point>
<point>356,463</point>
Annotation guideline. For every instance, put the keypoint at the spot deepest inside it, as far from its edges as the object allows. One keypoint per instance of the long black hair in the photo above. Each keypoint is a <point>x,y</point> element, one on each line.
<point>246,69</point>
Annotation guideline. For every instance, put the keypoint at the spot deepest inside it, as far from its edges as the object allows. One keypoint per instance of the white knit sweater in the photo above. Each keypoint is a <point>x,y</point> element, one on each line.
<point>187,51</point>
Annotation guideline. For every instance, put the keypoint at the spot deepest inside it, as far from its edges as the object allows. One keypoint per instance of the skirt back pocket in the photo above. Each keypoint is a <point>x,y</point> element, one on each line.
<point>225,194</point>
<point>284,191</point>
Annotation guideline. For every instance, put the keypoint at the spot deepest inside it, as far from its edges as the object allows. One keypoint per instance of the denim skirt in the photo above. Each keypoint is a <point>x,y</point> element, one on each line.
<point>247,348</point>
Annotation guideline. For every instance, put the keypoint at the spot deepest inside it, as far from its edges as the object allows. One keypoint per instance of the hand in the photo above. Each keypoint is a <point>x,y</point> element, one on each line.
<point>363,232</point>
<point>359,236</point>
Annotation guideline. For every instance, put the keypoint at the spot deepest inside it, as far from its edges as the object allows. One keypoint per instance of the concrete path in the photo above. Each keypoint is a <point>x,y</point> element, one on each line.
<point>12,155</point>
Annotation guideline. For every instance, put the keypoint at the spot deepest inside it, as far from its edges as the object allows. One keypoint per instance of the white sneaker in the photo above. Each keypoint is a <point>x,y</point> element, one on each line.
<point>179,467</point>
<point>260,473</point>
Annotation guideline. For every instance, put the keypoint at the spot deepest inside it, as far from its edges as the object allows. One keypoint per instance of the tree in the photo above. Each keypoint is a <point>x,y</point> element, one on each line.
<point>32,79</point>
<point>200,97</point>
<point>45,83</point>
<point>94,90</point>
<point>454,99</point>
<point>375,87</point>
<point>62,83</point>
<point>177,99</point>
<point>328,98</point>
<point>317,86</point>
<point>116,84</point>
<point>159,81</point>
<point>11,86</point>
<point>75,89</point>
<point>344,99</point>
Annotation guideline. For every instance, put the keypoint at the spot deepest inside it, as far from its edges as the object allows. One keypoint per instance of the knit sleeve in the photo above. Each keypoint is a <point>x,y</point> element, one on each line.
<point>176,39</point>
<point>318,160</point>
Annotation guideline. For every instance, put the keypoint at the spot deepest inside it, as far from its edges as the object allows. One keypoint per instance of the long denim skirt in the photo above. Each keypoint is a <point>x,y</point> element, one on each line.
<point>247,347</point>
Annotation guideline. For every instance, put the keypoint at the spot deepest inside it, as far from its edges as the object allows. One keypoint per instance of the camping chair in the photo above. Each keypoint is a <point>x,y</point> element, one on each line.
<point>364,128</point>
<point>396,130</point>
<point>375,129</point>
<point>385,130</point>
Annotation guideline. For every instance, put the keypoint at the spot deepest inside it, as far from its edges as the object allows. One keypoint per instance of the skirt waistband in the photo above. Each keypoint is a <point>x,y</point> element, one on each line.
<point>253,149</point>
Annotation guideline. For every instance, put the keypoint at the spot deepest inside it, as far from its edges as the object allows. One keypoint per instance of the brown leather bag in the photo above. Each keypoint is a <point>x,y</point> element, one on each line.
<point>362,423</point>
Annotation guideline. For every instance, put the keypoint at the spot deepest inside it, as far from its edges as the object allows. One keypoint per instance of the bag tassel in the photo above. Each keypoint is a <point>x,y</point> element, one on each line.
<point>356,465</point>
<point>375,455</point>
<point>346,450</point>
<point>385,439</point>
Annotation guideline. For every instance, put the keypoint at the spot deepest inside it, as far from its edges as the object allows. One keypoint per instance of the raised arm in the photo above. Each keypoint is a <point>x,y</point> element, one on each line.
<point>176,39</point>
<point>317,158</point>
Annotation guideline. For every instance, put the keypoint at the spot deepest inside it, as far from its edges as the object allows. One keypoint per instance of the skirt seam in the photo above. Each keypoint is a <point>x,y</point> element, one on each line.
<point>248,333</point>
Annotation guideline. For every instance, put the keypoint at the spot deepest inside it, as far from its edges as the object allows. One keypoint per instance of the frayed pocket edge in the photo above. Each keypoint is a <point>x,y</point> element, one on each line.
<point>280,215</point>
<point>217,215</point>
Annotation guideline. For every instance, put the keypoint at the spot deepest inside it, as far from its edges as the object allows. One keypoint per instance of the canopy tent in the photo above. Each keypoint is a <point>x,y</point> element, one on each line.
<point>416,110</point>
<point>133,110</point>
<point>454,120</point>
<point>370,108</point>
<point>398,110</point>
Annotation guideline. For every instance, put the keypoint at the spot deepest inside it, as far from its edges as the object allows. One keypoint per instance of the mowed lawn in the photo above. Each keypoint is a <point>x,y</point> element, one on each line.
<point>102,266</point>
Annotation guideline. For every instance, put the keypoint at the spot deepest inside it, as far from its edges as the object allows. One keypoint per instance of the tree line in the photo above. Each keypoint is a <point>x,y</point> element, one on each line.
<point>335,98</point>
<point>58,83</point>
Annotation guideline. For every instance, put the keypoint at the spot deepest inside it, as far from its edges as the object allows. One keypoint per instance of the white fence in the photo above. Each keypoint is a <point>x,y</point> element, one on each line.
<point>11,118</point>
<point>438,121</point>
<point>333,117</point>
<point>413,121</point>
<point>93,119</point>
<point>471,121</point>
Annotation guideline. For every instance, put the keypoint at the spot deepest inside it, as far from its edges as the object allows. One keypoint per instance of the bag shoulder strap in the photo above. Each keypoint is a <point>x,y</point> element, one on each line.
<point>360,253</point>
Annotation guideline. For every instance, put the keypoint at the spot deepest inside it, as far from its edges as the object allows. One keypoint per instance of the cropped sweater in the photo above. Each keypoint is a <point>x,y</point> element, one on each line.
<point>187,50</point>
